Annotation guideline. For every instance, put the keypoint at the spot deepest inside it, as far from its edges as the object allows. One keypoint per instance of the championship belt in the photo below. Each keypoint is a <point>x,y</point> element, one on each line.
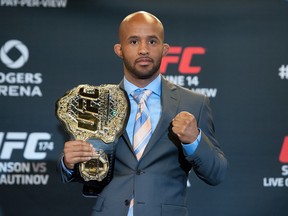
<point>98,115</point>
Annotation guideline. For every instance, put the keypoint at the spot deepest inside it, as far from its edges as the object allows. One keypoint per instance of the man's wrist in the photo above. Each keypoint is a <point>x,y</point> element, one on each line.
<point>65,169</point>
<point>190,148</point>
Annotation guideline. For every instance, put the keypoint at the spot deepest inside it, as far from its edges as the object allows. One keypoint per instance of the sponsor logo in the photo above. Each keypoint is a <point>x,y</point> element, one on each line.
<point>183,57</point>
<point>21,60</point>
<point>34,147</point>
<point>283,158</point>
<point>18,84</point>
<point>188,73</point>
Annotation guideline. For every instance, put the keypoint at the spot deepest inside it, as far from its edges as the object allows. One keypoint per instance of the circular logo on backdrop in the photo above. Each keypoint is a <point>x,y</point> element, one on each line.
<point>21,60</point>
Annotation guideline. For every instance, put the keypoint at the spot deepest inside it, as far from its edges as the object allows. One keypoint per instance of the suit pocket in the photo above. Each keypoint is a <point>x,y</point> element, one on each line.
<point>173,210</point>
<point>98,207</point>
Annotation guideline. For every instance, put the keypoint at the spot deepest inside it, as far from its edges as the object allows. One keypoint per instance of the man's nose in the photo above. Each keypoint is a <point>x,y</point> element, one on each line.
<point>143,49</point>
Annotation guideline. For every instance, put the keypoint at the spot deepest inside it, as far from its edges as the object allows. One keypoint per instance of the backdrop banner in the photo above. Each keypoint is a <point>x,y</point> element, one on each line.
<point>235,52</point>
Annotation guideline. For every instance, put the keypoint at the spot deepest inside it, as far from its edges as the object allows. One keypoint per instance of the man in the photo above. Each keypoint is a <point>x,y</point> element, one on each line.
<point>154,182</point>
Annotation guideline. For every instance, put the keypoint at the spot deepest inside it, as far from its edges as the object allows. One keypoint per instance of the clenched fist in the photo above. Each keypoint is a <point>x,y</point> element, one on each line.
<point>77,151</point>
<point>184,125</point>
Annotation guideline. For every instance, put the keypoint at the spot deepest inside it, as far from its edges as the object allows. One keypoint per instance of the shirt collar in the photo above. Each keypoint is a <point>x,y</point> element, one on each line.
<point>154,86</point>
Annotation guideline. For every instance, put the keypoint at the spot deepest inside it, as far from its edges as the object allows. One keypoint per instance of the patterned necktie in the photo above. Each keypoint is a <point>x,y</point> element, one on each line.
<point>142,129</point>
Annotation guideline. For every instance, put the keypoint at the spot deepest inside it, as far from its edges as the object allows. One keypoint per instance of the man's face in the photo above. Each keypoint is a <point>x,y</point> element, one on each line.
<point>142,50</point>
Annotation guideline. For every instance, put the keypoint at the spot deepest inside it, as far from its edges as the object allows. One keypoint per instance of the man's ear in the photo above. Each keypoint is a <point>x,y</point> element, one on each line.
<point>165,49</point>
<point>118,50</point>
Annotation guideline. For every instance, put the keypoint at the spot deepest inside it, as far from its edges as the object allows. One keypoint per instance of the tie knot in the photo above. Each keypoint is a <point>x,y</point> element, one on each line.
<point>141,95</point>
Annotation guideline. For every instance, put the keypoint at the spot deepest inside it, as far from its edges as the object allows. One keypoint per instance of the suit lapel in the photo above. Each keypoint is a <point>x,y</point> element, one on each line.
<point>170,101</point>
<point>125,135</point>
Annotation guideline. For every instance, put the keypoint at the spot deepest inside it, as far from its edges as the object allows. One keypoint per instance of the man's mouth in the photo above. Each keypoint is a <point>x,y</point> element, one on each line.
<point>144,61</point>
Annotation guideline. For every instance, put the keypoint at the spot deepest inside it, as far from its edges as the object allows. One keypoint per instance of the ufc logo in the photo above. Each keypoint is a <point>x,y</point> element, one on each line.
<point>31,144</point>
<point>88,106</point>
<point>182,57</point>
<point>283,157</point>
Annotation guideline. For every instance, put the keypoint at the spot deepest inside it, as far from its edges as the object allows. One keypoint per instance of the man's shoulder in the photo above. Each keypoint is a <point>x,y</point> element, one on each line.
<point>183,91</point>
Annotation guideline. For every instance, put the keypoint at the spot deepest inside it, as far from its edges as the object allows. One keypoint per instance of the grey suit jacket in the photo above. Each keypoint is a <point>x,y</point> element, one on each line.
<point>159,179</point>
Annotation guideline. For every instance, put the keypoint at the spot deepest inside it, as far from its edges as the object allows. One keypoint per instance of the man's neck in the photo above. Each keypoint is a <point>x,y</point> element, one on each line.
<point>141,83</point>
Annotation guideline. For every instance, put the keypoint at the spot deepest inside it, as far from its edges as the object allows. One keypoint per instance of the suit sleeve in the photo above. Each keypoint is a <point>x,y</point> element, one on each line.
<point>65,175</point>
<point>208,161</point>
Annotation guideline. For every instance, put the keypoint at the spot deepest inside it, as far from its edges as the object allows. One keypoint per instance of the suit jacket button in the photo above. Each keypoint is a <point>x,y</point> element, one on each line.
<point>127,202</point>
<point>138,172</point>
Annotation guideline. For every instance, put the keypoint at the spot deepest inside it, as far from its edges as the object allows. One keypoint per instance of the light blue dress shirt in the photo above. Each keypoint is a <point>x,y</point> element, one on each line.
<point>154,108</point>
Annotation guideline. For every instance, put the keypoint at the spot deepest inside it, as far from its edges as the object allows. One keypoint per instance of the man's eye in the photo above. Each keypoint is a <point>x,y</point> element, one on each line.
<point>152,41</point>
<point>133,42</point>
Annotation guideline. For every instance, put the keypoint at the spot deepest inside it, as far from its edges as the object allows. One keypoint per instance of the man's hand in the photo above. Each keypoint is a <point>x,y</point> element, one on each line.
<point>77,151</point>
<point>184,125</point>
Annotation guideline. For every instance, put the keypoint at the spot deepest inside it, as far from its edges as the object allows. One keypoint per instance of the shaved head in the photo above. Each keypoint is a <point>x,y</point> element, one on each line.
<point>137,18</point>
